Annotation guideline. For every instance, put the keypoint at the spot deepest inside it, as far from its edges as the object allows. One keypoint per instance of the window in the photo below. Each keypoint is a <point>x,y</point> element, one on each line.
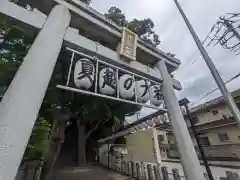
<point>215,112</point>
<point>223,137</point>
<point>204,141</point>
<point>160,138</point>
<point>224,116</point>
<point>195,119</point>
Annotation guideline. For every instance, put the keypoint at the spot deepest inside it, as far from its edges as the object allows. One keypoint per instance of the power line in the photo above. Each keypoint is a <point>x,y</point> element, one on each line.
<point>207,52</point>
<point>227,23</point>
<point>215,89</point>
<point>188,61</point>
<point>216,34</point>
<point>195,52</point>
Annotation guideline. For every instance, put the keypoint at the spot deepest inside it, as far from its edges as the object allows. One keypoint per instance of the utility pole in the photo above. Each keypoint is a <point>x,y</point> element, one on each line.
<point>225,30</point>
<point>227,96</point>
<point>231,28</point>
<point>198,143</point>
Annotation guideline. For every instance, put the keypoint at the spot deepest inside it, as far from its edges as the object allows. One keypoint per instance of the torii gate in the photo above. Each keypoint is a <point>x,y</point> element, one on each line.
<point>17,119</point>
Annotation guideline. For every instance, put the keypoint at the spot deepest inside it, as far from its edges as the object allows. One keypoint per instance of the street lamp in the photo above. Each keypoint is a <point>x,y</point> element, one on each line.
<point>184,102</point>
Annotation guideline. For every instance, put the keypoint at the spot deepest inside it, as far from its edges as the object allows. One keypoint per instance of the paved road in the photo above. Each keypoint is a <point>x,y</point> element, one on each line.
<point>91,172</point>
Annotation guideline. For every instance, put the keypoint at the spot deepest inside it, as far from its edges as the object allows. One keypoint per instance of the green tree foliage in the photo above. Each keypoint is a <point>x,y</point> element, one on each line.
<point>143,28</point>
<point>116,15</point>
<point>94,115</point>
<point>14,44</point>
<point>39,139</point>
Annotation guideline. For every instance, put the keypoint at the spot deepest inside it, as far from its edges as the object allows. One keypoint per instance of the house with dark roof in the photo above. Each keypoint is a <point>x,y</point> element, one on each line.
<point>218,131</point>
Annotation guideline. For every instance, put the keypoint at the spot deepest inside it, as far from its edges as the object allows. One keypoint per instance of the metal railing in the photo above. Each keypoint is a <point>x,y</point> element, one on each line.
<point>222,151</point>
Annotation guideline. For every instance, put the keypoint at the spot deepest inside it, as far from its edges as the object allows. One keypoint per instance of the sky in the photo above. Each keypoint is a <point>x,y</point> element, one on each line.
<point>175,37</point>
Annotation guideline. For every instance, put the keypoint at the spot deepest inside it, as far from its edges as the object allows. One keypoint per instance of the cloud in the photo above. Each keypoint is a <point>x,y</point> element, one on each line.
<point>196,77</point>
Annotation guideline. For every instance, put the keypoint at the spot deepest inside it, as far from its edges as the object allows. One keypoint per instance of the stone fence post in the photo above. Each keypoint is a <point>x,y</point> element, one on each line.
<point>124,167</point>
<point>138,171</point>
<point>131,169</point>
<point>176,175</point>
<point>165,173</point>
<point>150,172</point>
<point>156,171</point>
<point>232,175</point>
<point>144,175</point>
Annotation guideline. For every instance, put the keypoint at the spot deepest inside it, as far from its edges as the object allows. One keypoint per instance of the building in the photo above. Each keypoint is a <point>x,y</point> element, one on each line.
<point>218,131</point>
<point>143,146</point>
<point>151,146</point>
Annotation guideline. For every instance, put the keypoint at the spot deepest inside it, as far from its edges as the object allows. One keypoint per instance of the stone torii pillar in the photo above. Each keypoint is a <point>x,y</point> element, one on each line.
<point>189,159</point>
<point>21,103</point>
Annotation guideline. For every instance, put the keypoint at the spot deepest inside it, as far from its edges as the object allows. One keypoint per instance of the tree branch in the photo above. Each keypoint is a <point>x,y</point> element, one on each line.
<point>95,128</point>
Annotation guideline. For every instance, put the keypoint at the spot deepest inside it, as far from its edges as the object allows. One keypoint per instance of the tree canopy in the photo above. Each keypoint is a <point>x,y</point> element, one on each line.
<point>14,44</point>
<point>143,28</point>
<point>116,15</point>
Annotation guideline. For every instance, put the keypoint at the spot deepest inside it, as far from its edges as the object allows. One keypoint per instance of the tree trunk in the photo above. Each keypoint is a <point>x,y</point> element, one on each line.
<point>81,145</point>
<point>54,146</point>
